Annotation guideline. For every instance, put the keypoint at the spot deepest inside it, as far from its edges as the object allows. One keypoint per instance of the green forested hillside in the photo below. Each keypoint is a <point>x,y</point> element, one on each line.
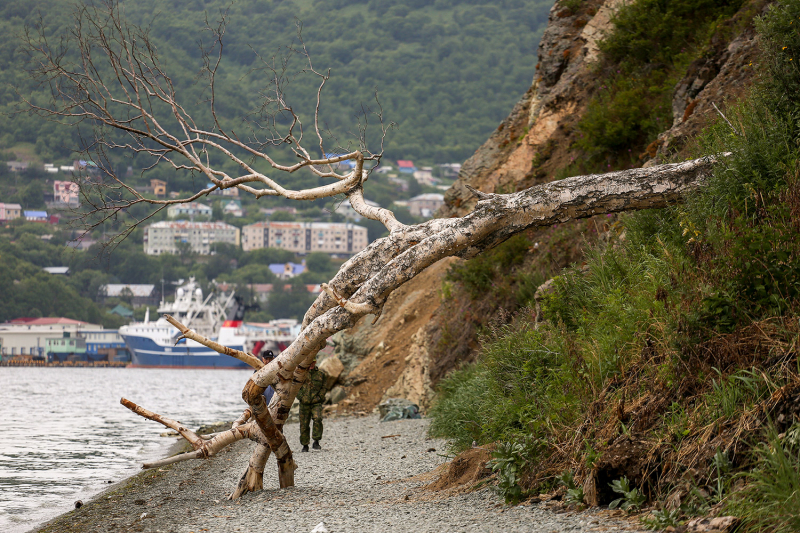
<point>447,71</point>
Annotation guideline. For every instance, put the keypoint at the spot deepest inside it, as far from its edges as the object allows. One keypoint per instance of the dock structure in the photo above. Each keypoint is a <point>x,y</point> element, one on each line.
<point>18,361</point>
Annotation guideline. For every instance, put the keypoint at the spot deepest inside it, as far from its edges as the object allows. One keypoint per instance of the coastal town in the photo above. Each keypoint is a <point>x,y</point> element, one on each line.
<point>246,282</point>
<point>191,232</point>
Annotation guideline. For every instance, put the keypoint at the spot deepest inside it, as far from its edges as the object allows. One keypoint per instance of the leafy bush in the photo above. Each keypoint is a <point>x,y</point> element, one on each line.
<point>647,52</point>
<point>478,275</point>
<point>780,31</point>
<point>508,462</point>
<point>659,520</point>
<point>523,383</point>
<point>628,111</point>
<point>574,492</point>
<point>458,411</point>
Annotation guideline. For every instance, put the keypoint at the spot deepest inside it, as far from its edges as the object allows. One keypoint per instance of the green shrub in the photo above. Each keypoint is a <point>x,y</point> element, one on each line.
<point>660,520</point>
<point>628,111</point>
<point>647,52</point>
<point>478,274</point>
<point>631,500</point>
<point>574,492</point>
<point>458,411</point>
<point>657,31</point>
<point>611,305</point>
<point>508,462</point>
<point>521,385</point>
<point>780,32</point>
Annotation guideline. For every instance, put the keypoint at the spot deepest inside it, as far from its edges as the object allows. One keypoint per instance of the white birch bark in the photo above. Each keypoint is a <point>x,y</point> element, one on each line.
<point>141,101</point>
<point>364,283</point>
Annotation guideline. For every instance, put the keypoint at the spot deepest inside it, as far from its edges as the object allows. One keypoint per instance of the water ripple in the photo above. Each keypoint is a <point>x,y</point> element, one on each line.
<point>63,433</point>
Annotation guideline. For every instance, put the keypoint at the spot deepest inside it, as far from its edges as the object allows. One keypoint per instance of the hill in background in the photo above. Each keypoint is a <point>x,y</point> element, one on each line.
<point>446,71</point>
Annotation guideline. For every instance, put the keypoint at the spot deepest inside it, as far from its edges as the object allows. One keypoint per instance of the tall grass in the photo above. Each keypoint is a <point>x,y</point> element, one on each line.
<point>523,385</point>
<point>771,499</point>
<point>736,392</point>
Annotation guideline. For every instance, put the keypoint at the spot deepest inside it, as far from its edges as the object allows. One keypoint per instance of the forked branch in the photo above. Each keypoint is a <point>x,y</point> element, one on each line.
<point>136,98</point>
<point>108,75</point>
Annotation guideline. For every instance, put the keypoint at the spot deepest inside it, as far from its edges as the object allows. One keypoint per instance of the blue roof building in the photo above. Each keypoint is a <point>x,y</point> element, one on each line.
<point>288,270</point>
<point>36,216</point>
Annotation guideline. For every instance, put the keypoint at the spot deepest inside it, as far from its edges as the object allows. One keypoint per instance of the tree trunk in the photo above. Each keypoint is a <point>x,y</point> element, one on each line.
<point>142,102</point>
<point>364,283</point>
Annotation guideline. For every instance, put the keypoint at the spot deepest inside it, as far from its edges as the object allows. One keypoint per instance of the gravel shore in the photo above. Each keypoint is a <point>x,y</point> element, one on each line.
<point>359,482</point>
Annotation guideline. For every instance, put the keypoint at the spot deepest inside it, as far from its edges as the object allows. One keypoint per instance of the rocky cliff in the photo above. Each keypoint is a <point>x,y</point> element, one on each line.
<point>535,141</point>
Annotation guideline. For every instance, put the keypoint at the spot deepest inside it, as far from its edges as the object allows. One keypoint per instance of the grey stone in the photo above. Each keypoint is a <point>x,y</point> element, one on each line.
<point>386,406</point>
<point>337,394</point>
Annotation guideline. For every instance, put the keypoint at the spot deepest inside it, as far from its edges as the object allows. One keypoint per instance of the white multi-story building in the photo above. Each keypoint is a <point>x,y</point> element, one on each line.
<point>66,193</point>
<point>190,210</point>
<point>163,237</point>
<point>425,205</point>
<point>424,176</point>
<point>306,237</point>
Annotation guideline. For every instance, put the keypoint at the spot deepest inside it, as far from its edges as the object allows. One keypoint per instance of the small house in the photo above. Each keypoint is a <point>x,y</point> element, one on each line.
<point>10,212</point>
<point>406,166</point>
<point>36,216</point>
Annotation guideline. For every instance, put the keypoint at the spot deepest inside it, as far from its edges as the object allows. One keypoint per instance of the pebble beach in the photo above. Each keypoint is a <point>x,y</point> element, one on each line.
<point>369,476</point>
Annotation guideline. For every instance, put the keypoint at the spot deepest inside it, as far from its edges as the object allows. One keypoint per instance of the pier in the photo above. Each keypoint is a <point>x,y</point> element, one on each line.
<point>64,364</point>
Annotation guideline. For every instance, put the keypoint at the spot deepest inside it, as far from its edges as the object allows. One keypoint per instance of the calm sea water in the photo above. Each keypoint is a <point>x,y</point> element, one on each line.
<point>64,434</point>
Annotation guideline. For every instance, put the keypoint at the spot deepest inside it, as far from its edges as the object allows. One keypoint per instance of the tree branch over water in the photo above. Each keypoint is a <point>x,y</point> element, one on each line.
<point>114,81</point>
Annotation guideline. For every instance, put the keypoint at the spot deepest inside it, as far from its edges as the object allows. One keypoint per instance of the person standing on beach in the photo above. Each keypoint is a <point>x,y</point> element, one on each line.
<point>311,397</point>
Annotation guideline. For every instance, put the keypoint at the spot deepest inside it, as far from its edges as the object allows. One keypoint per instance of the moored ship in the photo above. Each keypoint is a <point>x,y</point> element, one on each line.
<point>153,344</point>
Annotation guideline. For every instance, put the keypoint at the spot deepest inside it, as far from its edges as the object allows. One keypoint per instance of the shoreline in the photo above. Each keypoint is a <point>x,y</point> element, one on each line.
<point>369,476</point>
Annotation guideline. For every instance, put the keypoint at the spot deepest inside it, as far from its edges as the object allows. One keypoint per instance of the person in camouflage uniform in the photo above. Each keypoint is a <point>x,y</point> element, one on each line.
<point>311,397</point>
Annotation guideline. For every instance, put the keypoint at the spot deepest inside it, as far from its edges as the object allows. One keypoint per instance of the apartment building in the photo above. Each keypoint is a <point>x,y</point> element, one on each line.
<point>163,237</point>
<point>190,210</point>
<point>305,237</point>
<point>66,193</point>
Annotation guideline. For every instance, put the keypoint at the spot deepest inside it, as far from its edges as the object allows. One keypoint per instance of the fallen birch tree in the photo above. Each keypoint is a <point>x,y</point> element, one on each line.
<point>113,80</point>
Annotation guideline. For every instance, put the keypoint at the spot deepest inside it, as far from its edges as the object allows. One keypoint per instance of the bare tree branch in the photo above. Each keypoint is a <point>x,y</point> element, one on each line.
<point>187,333</point>
<point>113,80</point>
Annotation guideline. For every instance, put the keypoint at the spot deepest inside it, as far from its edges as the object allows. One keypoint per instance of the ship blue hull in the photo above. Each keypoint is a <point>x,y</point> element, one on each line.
<point>145,353</point>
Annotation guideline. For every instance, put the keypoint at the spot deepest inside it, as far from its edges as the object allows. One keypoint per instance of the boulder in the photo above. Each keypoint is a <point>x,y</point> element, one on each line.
<point>399,408</point>
<point>334,368</point>
<point>215,427</point>
<point>720,524</point>
<point>337,394</point>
